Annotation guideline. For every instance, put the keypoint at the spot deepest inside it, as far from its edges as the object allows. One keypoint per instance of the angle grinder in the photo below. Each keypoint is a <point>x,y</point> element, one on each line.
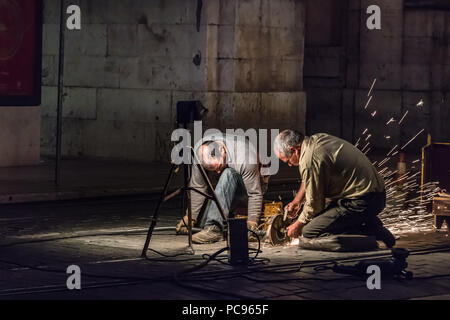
<point>277,230</point>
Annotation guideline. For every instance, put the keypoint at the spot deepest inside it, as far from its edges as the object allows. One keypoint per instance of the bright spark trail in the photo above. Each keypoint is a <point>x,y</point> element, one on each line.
<point>412,139</point>
<point>401,120</point>
<point>373,84</point>
<point>367,104</point>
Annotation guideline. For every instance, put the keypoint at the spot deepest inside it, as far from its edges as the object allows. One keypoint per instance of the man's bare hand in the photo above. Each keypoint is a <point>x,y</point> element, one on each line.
<point>252,225</point>
<point>292,209</point>
<point>295,229</point>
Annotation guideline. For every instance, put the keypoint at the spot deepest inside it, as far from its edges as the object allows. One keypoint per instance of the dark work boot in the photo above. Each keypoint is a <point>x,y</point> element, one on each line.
<point>209,234</point>
<point>381,232</point>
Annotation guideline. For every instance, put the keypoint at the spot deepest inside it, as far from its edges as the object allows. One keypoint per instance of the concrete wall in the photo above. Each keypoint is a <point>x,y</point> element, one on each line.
<point>409,57</point>
<point>19,136</point>
<point>134,59</point>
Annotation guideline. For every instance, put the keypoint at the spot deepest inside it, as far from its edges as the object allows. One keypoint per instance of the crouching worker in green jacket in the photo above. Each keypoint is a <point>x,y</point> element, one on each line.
<point>333,169</point>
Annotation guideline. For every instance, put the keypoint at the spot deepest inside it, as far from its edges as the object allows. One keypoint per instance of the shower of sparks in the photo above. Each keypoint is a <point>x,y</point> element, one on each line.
<point>368,101</point>
<point>407,200</point>
<point>401,120</point>
<point>365,146</point>
<point>412,139</point>
<point>406,208</point>
<point>373,84</point>
<point>384,161</point>
<point>373,113</point>
<point>399,180</point>
<point>417,173</point>
<point>392,150</point>
<point>390,120</point>
<point>367,151</point>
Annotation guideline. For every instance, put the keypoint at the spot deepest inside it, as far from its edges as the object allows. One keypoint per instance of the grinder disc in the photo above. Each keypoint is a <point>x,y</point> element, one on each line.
<point>276,232</point>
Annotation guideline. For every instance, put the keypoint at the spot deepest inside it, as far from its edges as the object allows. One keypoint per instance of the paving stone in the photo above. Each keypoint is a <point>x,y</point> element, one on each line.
<point>318,296</point>
<point>276,291</point>
<point>289,286</point>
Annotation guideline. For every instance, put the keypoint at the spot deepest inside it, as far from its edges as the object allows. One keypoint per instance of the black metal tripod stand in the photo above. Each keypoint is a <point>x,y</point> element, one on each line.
<point>187,112</point>
<point>186,202</point>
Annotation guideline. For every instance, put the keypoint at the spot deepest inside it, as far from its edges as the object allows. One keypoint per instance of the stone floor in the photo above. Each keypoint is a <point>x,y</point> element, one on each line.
<point>105,236</point>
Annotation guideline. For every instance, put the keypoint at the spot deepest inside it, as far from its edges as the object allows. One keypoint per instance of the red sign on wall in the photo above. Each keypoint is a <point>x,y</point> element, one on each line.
<point>20,52</point>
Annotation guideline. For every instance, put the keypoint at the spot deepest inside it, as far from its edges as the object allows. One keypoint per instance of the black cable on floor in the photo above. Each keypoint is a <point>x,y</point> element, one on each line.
<point>432,277</point>
<point>165,256</point>
<point>37,268</point>
<point>182,282</point>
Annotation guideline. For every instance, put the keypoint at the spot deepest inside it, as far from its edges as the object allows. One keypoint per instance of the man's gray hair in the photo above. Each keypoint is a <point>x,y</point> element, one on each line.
<point>209,151</point>
<point>287,139</point>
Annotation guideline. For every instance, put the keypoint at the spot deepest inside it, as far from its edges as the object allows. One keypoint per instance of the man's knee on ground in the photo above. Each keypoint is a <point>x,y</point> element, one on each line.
<point>308,232</point>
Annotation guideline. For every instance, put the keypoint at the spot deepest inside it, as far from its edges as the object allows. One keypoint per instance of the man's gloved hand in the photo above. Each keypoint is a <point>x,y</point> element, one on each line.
<point>253,226</point>
<point>181,227</point>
